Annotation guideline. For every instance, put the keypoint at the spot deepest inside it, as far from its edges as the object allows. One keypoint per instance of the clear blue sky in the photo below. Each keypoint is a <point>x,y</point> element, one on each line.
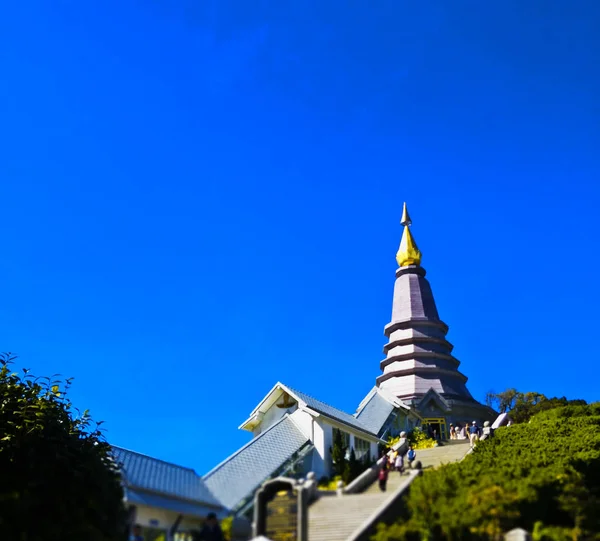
<point>202,198</point>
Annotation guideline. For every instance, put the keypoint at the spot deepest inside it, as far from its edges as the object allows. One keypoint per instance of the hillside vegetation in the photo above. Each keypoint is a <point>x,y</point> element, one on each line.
<point>543,476</point>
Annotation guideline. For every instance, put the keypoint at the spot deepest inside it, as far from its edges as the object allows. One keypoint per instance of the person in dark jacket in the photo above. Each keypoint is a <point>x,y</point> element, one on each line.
<point>211,531</point>
<point>383,476</point>
<point>136,534</point>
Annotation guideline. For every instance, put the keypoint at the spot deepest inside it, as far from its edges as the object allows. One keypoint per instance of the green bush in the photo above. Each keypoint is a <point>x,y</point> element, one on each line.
<point>417,438</point>
<point>523,406</point>
<point>542,476</point>
<point>329,484</point>
<point>58,481</point>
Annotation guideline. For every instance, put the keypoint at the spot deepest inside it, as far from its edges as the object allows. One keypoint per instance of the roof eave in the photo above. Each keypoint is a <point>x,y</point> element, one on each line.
<point>273,389</point>
<point>365,401</point>
<point>252,422</point>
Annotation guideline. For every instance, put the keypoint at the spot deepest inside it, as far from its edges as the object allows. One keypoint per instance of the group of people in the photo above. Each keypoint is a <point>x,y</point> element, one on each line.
<point>473,432</point>
<point>395,461</point>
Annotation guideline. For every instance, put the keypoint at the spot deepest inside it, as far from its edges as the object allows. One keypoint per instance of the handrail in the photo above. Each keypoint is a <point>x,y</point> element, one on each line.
<point>368,477</point>
<point>364,531</point>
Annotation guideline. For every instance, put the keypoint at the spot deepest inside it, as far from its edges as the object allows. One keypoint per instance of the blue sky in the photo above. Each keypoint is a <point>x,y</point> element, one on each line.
<point>202,198</point>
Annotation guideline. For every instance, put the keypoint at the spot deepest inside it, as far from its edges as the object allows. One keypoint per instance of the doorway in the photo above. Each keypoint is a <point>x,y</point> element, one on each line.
<point>437,426</point>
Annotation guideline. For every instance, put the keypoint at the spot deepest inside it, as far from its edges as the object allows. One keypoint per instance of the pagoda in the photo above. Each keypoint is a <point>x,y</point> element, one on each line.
<point>419,367</point>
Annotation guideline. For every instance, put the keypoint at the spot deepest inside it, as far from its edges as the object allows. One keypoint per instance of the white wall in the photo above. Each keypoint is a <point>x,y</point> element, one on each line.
<point>271,416</point>
<point>374,451</point>
<point>304,422</point>
<point>146,515</point>
<point>322,442</point>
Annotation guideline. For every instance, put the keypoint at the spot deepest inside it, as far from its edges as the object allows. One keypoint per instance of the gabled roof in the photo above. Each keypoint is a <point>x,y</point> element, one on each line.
<point>375,412</point>
<point>237,477</point>
<point>329,411</point>
<point>433,395</point>
<point>151,475</point>
<point>376,408</point>
<point>307,401</point>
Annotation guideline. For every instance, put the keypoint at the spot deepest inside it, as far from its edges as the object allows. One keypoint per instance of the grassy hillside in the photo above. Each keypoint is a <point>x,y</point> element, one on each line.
<point>543,476</point>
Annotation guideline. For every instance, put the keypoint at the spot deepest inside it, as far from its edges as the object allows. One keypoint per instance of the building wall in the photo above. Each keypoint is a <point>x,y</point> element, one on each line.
<point>271,416</point>
<point>374,451</point>
<point>322,442</point>
<point>163,520</point>
<point>304,422</point>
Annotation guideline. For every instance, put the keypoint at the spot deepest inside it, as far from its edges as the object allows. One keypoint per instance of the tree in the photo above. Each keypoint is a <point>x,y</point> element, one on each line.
<point>58,479</point>
<point>523,406</point>
<point>502,402</point>
<point>338,453</point>
<point>353,468</point>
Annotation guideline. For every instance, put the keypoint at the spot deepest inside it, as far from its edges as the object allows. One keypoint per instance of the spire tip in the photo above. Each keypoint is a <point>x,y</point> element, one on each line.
<point>405,216</point>
<point>408,253</point>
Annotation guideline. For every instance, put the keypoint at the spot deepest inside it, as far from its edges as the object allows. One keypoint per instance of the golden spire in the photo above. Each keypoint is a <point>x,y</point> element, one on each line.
<point>408,253</point>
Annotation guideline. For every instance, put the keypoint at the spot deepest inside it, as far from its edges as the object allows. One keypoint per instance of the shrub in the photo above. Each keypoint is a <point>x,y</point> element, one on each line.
<point>417,438</point>
<point>543,476</point>
<point>354,468</point>
<point>58,480</point>
<point>329,484</point>
<point>226,524</point>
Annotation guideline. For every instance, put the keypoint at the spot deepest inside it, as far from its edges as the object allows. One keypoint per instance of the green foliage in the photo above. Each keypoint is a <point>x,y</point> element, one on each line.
<point>329,484</point>
<point>353,469</point>
<point>542,476</point>
<point>523,406</point>
<point>338,454</point>
<point>417,438</point>
<point>420,440</point>
<point>502,402</point>
<point>58,481</point>
<point>226,524</point>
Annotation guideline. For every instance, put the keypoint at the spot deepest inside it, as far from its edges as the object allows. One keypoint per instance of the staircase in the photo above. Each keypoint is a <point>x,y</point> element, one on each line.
<point>341,518</point>
<point>451,451</point>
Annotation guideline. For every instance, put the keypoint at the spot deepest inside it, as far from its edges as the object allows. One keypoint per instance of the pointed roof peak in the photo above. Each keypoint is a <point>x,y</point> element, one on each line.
<point>405,216</point>
<point>408,253</point>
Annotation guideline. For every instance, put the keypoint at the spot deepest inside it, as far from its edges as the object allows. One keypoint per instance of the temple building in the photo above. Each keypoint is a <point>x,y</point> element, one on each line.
<point>419,368</point>
<point>293,432</point>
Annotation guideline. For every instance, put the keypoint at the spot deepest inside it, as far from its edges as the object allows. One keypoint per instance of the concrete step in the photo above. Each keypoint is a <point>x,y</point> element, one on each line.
<point>455,442</point>
<point>335,518</point>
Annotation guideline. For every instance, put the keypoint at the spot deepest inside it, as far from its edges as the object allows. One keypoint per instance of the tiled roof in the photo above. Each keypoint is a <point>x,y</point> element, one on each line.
<point>237,477</point>
<point>375,412</point>
<point>147,473</point>
<point>331,412</point>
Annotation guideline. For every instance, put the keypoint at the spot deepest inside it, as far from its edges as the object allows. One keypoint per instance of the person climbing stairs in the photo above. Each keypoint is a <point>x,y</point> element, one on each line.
<point>342,518</point>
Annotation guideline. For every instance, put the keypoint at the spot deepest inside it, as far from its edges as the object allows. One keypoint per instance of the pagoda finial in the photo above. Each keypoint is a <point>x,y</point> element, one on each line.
<point>408,253</point>
<point>405,216</point>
